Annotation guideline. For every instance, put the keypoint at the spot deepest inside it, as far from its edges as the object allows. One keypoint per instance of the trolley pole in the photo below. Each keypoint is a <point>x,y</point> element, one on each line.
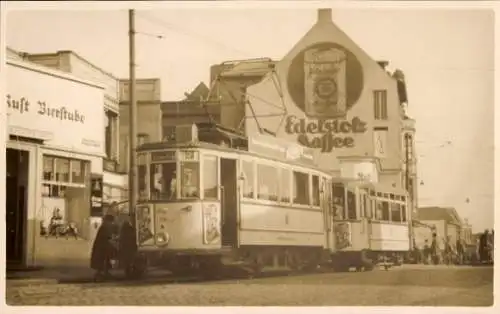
<point>132,174</point>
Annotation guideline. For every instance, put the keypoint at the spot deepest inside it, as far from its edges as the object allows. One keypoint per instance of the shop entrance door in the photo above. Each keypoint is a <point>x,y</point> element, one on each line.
<point>17,163</point>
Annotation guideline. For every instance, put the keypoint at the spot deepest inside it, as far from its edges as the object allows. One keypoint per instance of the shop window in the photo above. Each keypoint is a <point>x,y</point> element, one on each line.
<point>300,188</point>
<point>395,212</point>
<point>190,179</point>
<point>380,104</point>
<point>315,191</point>
<point>163,181</point>
<point>65,203</point>
<point>77,171</point>
<point>62,169</point>
<point>210,172</point>
<point>267,187</point>
<point>351,205</point>
<point>285,186</point>
<point>48,168</point>
<point>248,176</point>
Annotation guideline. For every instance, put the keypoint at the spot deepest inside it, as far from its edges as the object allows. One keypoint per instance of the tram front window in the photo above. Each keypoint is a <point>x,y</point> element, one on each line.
<point>163,181</point>
<point>189,180</point>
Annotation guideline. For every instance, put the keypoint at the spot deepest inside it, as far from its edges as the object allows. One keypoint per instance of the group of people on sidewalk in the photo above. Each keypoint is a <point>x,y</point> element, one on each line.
<point>115,241</point>
<point>458,253</point>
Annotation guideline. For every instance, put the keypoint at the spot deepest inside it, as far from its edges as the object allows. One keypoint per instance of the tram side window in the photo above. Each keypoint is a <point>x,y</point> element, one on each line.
<point>351,205</point>
<point>385,211</point>
<point>141,173</point>
<point>163,181</point>
<point>315,190</point>
<point>300,188</point>
<point>403,213</point>
<point>210,171</point>
<point>267,187</point>
<point>190,178</point>
<point>247,170</point>
<point>395,212</point>
<point>285,186</point>
<point>338,200</point>
<point>367,205</point>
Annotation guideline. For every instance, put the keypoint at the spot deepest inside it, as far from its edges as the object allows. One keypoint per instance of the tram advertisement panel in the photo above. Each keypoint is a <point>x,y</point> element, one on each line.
<point>145,225</point>
<point>211,224</point>
<point>343,235</point>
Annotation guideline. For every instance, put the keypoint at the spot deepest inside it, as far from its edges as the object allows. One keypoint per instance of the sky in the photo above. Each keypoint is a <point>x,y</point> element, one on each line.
<point>447,56</point>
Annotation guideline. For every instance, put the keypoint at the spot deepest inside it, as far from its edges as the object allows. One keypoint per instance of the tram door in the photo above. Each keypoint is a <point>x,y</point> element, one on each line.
<point>229,202</point>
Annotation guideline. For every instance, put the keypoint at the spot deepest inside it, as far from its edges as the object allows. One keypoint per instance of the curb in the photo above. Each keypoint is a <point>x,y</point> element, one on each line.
<point>24,282</point>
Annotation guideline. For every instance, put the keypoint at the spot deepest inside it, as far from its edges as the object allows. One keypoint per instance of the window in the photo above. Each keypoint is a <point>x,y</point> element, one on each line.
<point>368,206</point>
<point>48,168</point>
<point>210,171</point>
<point>141,174</point>
<point>62,169</point>
<point>385,210</point>
<point>300,188</point>
<point>110,119</point>
<point>189,180</point>
<point>248,176</point>
<point>267,187</point>
<point>351,205</point>
<point>380,104</point>
<point>403,213</point>
<point>378,211</point>
<point>168,133</point>
<point>395,212</point>
<point>285,186</point>
<point>315,191</point>
<point>77,171</point>
<point>163,181</point>
<point>338,201</point>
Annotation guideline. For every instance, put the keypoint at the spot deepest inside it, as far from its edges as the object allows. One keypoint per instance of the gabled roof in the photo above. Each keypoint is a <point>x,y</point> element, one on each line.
<point>448,214</point>
<point>199,92</point>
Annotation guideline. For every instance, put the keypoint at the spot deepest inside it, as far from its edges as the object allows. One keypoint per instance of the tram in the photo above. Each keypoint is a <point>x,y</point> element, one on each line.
<point>370,223</point>
<point>211,198</point>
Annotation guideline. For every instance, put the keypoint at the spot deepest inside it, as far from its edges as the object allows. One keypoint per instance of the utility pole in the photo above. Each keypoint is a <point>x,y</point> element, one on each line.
<point>132,173</point>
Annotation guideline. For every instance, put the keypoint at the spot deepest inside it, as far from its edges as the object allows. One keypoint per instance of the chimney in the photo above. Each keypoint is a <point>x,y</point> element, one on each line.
<point>383,64</point>
<point>324,16</point>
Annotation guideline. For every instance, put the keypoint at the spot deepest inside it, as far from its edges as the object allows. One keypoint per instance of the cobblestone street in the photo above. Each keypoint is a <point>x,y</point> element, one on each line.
<point>407,285</point>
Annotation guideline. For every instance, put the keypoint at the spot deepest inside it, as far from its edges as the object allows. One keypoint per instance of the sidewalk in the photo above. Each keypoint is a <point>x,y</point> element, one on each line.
<point>49,275</point>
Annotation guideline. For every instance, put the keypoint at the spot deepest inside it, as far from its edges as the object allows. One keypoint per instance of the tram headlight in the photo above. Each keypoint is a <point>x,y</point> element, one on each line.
<point>162,238</point>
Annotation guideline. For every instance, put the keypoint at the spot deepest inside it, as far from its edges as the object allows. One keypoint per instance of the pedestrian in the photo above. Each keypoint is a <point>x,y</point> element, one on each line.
<point>434,249</point>
<point>103,249</point>
<point>483,247</point>
<point>460,251</point>
<point>127,248</point>
<point>427,252</point>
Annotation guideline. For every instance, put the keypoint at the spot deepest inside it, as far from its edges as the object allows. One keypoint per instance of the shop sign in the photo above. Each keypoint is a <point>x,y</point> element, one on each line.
<point>96,195</point>
<point>325,134</point>
<point>24,105</point>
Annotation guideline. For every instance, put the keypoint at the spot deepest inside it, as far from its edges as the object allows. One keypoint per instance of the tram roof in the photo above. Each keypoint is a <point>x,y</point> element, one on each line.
<point>156,146</point>
<point>377,186</point>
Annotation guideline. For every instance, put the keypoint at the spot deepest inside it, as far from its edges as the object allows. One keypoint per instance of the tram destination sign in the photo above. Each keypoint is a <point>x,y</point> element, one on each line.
<point>325,134</point>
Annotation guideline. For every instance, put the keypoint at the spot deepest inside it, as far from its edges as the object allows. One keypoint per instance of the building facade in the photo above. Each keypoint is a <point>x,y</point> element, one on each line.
<point>55,154</point>
<point>149,116</point>
<point>114,180</point>
<point>447,223</point>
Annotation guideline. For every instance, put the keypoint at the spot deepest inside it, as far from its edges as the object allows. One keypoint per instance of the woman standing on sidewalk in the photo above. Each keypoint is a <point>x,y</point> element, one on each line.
<point>104,248</point>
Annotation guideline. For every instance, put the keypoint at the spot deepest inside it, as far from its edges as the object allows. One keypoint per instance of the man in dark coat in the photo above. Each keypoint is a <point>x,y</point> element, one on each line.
<point>103,248</point>
<point>483,246</point>
<point>127,249</point>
